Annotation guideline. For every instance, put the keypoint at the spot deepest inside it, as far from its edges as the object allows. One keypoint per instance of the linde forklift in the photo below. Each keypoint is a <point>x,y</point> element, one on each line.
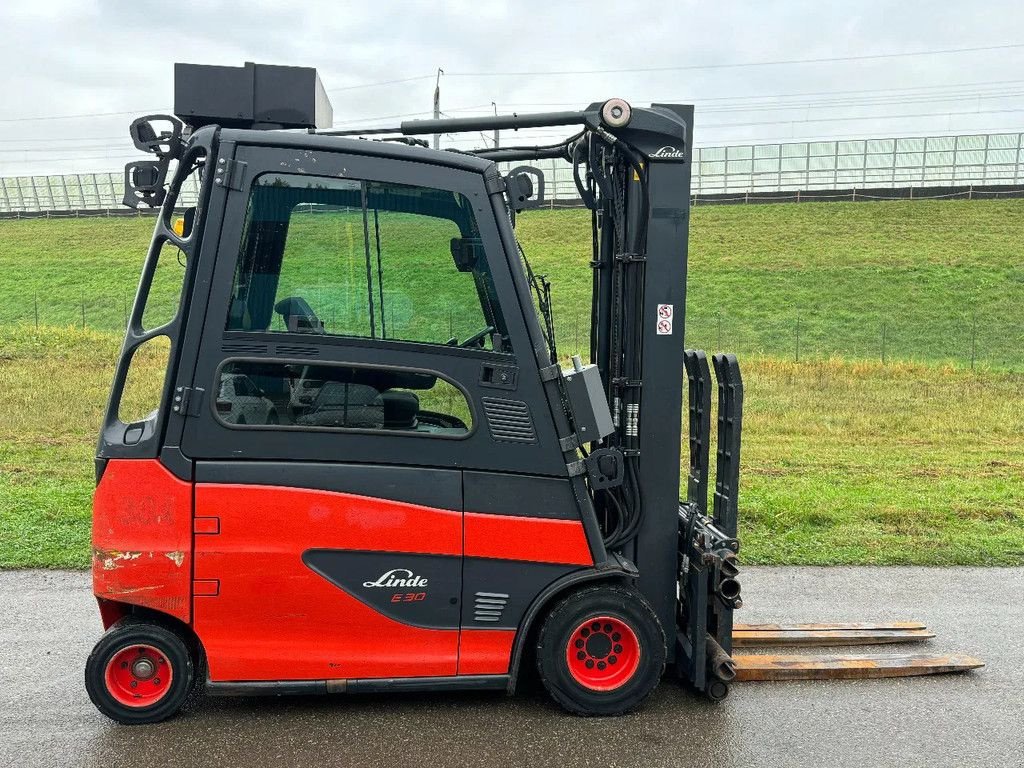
<point>370,468</point>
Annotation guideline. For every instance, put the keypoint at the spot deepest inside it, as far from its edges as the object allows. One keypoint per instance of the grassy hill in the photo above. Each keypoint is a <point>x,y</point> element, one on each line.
<point>935,278</point>
<point>844,461</point>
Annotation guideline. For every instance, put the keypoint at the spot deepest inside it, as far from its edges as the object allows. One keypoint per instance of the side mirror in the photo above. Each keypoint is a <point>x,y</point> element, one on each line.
<point>525,187</point>
<point>158,135</point>
<point>144,183</point>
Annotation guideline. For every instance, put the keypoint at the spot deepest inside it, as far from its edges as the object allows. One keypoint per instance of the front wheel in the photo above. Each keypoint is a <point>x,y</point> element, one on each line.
<point>139,672</point>
<point>601,651</point>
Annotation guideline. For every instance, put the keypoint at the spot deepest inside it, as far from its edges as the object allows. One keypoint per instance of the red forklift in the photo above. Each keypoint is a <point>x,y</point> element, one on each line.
<point>370,468</point>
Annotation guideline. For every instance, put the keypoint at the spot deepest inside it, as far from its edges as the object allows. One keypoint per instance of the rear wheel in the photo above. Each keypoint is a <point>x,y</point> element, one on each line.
<point>601,651</point>
<point>139,672</point>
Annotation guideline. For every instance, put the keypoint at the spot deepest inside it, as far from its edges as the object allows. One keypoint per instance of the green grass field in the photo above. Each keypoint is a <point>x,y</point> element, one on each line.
<point>845,460</point>
<point>930,275</point>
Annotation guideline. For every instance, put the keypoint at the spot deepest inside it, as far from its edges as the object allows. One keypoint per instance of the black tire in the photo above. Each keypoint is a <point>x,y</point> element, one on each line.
<point>568,625</point>
<point>167,649</point>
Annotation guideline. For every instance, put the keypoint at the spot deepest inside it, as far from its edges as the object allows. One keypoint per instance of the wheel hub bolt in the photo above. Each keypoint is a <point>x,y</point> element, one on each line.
<point>143,669</point>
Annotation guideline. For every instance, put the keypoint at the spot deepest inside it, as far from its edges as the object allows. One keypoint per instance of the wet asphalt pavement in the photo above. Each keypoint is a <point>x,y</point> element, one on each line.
<point>50,623</point>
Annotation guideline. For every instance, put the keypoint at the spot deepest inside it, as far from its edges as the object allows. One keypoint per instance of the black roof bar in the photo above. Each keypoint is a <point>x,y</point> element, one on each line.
<point>472,124</point>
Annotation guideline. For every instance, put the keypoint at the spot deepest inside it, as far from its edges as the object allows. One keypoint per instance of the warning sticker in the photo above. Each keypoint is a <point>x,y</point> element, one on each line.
<point>665,312</point>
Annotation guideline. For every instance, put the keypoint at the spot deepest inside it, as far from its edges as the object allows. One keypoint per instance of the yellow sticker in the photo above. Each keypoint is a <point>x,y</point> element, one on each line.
<point>179,226</point>
<point>636,176</point>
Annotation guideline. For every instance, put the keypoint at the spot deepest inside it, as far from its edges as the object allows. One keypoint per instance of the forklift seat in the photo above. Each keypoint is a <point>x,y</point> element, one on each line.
<point>400,409</point>
<point>355,406</point>
<point>298,316</point>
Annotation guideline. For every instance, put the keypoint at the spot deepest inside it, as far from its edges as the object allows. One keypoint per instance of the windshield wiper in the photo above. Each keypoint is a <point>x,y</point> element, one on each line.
<point>541,288</point>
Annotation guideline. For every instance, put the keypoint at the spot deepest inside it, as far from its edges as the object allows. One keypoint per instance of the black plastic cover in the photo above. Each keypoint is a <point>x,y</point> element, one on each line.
<point>251,96</point>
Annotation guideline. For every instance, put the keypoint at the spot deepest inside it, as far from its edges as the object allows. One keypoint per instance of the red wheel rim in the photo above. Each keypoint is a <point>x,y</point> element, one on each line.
<point>138,676</point>
<point>603,653</point>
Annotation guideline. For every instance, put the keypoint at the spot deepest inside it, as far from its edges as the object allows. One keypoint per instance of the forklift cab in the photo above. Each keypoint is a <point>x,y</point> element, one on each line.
<point>368,470</point>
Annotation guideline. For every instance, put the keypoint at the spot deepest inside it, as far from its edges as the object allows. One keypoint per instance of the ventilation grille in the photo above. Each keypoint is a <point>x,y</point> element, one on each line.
<point>244,349</point>
<point>488,606</point>
<point>298,351</point>
<point>509,420</point>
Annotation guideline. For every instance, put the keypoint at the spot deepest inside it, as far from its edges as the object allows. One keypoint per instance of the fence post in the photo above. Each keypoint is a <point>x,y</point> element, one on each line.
<point>974,339</point>
<point>798,338</point>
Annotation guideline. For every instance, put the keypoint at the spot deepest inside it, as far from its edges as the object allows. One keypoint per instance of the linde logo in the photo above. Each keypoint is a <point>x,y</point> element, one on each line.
<point>397,577</point>
<point>669,153</point>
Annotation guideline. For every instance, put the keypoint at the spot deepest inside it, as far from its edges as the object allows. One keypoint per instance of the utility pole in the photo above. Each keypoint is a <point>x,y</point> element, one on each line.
<point>437,106</point>
<point>495,130</point>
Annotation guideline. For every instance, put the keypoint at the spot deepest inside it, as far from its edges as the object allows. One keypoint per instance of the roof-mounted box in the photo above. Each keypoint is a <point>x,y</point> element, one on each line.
<point>251,96</point>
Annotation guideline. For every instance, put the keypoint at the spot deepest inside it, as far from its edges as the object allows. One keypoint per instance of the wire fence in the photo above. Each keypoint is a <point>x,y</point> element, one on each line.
<point>961,339</point>
<point>744,173</point>
<point>765,171</point>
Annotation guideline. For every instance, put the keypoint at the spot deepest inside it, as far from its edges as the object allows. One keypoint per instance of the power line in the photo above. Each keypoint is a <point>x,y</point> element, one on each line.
<point>950,96</point>
<point>841,137</point>
<point>863,117</point>
<point>89,114</point>
<point>381,117</point>
<point>687,99</point>
<point>780,62</point>
<point>84,147</point>
<point>72,159</point>
<point>168,111</point>
<point>848,103</point>
<point>745,124</point>
<point>382,83</point>
<point>124,136</point>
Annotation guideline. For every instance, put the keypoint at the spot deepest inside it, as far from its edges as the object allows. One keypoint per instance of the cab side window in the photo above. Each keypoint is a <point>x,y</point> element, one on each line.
<point>364,259</point>
<point>334,396</point>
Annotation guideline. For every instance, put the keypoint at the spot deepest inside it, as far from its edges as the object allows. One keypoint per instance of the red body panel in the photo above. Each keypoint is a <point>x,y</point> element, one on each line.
<point>263,614</point>
<point>532,539</point>
<point>276,619</point>
<point>485,651</point>
<point>142,538</point>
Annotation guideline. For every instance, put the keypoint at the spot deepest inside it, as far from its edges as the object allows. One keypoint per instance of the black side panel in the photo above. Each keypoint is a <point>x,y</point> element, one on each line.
<point>178,463</point>
<point>502,494</point>
<point>497,593</point>
<point>421,590</point>
<point>437,488</point>
<point>661,398</point>
<point>375,685</point>
<point>409,684</point>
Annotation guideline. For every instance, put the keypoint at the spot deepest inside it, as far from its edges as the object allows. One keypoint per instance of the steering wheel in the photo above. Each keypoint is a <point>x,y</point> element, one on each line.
<point>476,338</point>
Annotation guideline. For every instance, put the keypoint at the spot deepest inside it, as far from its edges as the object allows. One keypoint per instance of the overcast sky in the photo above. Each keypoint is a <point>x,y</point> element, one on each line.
<point>82,57</point>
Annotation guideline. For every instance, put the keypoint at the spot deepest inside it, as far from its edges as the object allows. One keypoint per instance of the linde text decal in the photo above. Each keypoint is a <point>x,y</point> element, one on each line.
<point>669,153</point>
<point>397,577</point>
